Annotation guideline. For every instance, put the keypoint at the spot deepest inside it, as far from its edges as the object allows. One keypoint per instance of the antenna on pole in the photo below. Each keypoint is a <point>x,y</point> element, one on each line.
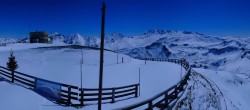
<point>101,58</point>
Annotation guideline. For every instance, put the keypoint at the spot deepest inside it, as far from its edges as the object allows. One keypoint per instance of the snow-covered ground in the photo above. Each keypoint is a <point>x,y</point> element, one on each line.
<point>217,90</point>
<point>213,52</point>
<point>63,65</point>
<point>228,88</point>
<point>235,89</point>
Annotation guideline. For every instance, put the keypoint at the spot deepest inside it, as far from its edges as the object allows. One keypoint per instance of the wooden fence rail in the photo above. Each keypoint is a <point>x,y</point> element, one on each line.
<point>75,96</point>
<point>167,98</point>
<point>72,95</point>
<point>112,94</point>
<point>18,77</point>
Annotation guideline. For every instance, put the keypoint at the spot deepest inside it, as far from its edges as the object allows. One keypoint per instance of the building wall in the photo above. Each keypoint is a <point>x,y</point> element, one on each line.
<point>39,37</point>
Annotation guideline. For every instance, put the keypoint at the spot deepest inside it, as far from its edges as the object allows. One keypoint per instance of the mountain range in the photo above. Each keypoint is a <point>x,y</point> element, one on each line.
<point>202,51</point>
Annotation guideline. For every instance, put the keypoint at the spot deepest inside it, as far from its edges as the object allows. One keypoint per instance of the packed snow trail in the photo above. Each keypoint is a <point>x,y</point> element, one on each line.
<point>203,94</point>
<point>212,90</point>
<point>235,89</point>
<point>213,86</point>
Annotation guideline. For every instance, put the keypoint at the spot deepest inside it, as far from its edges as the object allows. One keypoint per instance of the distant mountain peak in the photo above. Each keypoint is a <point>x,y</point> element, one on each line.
<point>155,31</point>
<point>116,35</point>
<point>190,32</point>
<point>162,32</point>
<point>159,32</point>
<point>7,40</point>
<point>76,39</point>
<point>57,37</point>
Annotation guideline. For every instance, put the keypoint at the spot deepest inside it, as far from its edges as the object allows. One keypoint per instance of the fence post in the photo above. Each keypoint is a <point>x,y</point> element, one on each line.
<point>150,105</point>
<point>166,99</point>
<point>185,80</point>
<point>13,76</point>
<point>82,93</point>
<point>35,84</point>
<point>136,90</point>
<point>69,95</point>
<point>176,91</point>
<point>181,85</point>
<point>113,95</point>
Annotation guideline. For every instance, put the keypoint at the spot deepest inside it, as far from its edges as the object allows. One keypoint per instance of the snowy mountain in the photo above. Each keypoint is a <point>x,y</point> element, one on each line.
<point>223,84</point>
<point>75,40</point>
<point>92,41</point>
<point>217,53</point>
<point>155,50</point>
<point>57,37</point>
<point>25,40</point>
<point>4,41</point>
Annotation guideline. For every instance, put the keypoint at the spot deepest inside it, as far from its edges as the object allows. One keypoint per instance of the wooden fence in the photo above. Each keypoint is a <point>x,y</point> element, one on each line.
<point>22,79</point>
<point>167,98</point>
<point>77,97</point>
<point>73,95</point>
<point>111,94</point>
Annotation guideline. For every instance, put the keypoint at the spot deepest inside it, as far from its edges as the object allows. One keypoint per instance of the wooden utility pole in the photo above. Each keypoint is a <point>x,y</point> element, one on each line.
<point>101,58</point>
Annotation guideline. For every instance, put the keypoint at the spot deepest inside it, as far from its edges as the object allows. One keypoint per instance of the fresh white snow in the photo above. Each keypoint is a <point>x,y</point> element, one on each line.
<point>234,88</point>
<point>63,65</point>
<point>225,84</point>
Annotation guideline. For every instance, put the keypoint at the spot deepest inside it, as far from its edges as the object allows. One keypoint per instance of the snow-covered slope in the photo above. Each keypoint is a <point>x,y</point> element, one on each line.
<point>63,65</point>
<point>217,90</point>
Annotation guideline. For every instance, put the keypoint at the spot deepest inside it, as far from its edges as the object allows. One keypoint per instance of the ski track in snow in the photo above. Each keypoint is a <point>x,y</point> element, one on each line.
<point>212,85</point>
<point>209,90</point>
<point>203,93</point>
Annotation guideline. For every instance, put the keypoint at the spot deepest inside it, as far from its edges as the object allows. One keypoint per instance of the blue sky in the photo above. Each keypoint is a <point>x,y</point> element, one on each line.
<point>130,17</point>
